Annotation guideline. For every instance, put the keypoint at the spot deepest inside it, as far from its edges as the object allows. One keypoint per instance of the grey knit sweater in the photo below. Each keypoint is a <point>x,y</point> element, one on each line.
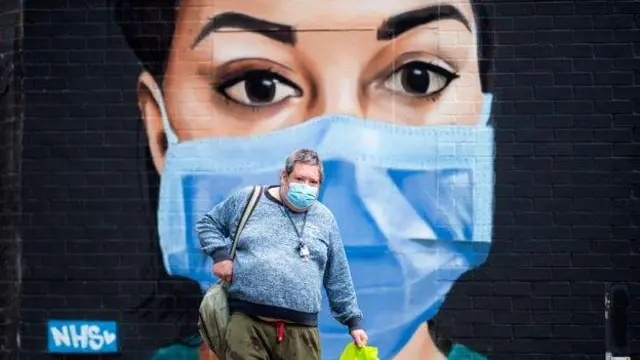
<point>270,278</point>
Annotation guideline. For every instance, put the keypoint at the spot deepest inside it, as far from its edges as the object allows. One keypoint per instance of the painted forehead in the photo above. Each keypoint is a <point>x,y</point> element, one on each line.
<point>281,19</point>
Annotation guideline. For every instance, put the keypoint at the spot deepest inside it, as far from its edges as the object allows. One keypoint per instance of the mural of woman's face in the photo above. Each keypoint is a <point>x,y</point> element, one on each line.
<point>253,66</point>
<point>414,190</point>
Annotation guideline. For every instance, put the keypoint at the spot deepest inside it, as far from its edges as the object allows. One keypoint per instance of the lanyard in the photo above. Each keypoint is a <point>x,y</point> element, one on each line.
<point>304,224</point>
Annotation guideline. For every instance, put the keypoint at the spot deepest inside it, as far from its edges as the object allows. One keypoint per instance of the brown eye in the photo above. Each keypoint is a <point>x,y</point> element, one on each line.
<point>259,88</point>
<point>419,78</point>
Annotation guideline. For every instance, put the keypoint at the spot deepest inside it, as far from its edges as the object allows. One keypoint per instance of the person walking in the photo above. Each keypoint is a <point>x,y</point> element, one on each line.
<point>289,249</point>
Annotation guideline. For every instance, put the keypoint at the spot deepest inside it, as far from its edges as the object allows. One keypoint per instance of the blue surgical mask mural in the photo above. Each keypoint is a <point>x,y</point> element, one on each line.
<point>414,205</point>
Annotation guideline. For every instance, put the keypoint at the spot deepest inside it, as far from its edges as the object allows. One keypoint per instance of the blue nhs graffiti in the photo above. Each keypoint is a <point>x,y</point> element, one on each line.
<point>82,336</point>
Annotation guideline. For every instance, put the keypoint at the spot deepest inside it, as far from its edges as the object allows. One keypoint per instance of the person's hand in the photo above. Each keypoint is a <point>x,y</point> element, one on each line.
<point>359,337</point>
<point>224,270</point>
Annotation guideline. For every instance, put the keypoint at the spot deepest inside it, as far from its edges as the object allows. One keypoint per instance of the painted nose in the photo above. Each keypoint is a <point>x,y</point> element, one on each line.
<point>342,96</point>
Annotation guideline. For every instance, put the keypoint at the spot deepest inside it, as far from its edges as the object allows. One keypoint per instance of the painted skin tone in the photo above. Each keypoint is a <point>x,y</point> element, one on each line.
<point>253,66</point>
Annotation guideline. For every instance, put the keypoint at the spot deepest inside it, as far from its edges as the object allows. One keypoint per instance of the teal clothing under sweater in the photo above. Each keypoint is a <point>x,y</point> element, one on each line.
<point>459,352</point>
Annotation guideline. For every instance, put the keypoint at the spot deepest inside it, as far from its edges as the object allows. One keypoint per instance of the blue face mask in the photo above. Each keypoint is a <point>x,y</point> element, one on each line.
<point>414,205</point>
<point>301,196</point>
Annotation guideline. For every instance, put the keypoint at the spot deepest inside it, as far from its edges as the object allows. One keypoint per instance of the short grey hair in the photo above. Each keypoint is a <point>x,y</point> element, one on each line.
<point>304,156</point>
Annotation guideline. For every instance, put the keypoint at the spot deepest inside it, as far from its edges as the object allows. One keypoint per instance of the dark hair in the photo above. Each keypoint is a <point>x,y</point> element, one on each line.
<point>148,27</point>
<point>485,40</point>
<point>303,156</point>
<point>442,342</point>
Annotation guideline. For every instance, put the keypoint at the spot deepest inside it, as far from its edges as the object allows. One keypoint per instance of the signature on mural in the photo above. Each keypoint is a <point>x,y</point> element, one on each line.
<point>394,97</point>
<point>68,336</point>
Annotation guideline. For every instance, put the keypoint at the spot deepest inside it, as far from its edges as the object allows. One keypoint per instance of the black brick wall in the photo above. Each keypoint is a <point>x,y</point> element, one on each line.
<point>10,123</point>
<point>567,186</point>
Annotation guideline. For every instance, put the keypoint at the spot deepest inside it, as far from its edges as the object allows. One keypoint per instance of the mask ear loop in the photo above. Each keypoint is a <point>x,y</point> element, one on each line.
<point>169,133</point>
<point>485,114</point>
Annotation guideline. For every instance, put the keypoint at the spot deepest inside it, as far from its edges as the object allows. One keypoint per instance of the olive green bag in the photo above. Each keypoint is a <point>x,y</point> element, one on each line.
<point>214,308</point>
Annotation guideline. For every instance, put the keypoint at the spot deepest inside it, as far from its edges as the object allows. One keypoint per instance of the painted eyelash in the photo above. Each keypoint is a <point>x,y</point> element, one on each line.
<point>450,75</point>
<point>238,75</point>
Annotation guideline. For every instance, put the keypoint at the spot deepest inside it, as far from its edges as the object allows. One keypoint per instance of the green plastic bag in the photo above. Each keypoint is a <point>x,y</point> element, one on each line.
<point>353,352</point>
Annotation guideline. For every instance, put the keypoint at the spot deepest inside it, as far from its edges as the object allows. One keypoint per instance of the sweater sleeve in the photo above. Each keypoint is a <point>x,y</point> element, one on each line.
<point>216,227</point>
<point>339,285</point>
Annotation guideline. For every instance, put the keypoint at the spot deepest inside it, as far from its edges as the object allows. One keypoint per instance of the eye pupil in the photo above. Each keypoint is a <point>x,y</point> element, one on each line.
<point>260,87</point>
<point>415,78</point>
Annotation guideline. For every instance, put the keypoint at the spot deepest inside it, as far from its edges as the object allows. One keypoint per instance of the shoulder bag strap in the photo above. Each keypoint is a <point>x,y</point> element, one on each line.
<point>252,201</point>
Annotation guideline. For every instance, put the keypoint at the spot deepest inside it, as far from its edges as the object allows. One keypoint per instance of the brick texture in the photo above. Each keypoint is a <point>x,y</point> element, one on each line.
<point>566,189</point>
<point>10,122</point>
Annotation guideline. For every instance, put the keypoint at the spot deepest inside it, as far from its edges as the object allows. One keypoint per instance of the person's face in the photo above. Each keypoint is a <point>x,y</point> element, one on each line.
<point>302,174</point>
<point>230,73</point>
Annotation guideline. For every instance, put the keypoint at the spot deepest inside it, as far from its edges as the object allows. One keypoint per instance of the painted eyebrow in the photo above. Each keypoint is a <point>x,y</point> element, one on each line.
<point>401,23</point>
<point>279,32</point>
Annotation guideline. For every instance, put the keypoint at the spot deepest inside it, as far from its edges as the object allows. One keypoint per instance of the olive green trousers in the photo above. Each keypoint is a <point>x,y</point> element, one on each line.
<point>250,338</point>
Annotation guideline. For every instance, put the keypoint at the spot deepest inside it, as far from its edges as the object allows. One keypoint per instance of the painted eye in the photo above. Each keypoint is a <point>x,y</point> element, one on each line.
<point>259,88</point>
<point>420,79</point>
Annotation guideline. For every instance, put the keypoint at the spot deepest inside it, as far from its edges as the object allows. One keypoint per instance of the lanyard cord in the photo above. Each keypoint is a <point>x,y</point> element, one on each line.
<point>304,224</point>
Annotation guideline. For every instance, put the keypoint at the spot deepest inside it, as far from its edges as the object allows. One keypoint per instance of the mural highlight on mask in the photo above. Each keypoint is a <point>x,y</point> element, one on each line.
<point>412,194</point>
